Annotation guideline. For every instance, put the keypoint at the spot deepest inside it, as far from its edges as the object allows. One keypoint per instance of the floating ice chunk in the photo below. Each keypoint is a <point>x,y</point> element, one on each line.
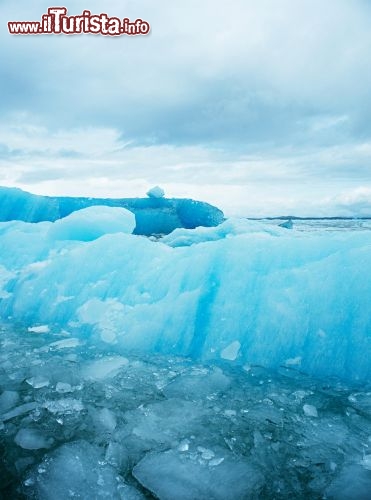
<point>32,439</point>
<point>156,192</point>
<point>19,410</point>
<point>93,222</point>
<point>183,445</point>
<point>197,385</point>
<point>206,454</point>
<point>107,419</point>
<point>39,329</point>
<point>171,475</point>
<point>231,351</point>
<point>287,224</point>
<point>63,387</point>
<point>165,421</point>
<point>310,411</point>
<point>38,382</point>
<point>77,470</point>
<point>103,368</point>
<point>65,343</point>
<point>118,456</point>
<point>8,399</point>
<point>66,405</point>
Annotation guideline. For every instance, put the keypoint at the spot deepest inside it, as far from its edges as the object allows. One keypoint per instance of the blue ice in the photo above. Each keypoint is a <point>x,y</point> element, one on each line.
<point>243,292</point>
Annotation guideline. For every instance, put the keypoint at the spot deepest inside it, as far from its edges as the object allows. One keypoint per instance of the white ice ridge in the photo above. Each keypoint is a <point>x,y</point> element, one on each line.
<point>243,292</point>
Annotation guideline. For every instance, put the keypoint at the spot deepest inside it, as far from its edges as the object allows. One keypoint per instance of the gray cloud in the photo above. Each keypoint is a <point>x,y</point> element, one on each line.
<point>269,96</point>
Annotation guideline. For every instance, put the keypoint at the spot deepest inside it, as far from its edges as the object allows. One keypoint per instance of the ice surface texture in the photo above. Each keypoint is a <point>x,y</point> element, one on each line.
<point>154,215</point>
<point>242,292</point>
<point>128,428</point>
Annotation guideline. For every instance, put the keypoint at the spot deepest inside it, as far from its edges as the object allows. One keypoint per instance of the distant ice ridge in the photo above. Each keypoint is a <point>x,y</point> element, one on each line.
<point>243,292</point>
<point>153,215</point>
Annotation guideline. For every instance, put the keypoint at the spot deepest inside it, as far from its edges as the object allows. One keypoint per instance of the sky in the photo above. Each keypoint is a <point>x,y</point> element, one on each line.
<point>261,107</point>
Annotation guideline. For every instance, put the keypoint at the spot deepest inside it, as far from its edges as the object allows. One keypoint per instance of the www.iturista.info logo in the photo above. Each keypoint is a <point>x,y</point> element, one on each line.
<point>56,22</point>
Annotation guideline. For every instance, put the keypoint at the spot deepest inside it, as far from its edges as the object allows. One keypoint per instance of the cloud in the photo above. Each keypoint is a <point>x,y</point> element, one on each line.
<point>96,162</point>
<point>353,203</point>
<point>261,107</point>
<point>205,74</point>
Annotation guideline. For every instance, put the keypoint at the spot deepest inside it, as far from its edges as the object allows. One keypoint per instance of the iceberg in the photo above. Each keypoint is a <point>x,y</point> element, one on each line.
<point>154,214</point>
<point>244,292</point>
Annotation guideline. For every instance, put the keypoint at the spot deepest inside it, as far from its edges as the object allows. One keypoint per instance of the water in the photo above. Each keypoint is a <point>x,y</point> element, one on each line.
<point>330,225</point>
<point>146,425</point>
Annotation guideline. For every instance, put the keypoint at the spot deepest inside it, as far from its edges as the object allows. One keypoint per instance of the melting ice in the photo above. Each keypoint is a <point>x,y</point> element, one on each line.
<point>153,426</point>
<point>223,362</point>
<point>243,291</point>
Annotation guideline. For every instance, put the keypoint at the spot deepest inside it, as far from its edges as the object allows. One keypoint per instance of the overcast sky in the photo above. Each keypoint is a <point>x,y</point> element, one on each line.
<point>261,107</point>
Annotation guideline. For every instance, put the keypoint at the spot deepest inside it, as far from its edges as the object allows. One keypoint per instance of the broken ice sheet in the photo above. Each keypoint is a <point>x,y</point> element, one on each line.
<point>77,469</point>
<point>39,329</point>
<point>65,405</point>
<point>32,439</point>
<point>38,382</point>
<point>18,411</point>
<point>207,415</point>
<point>197,385</point>
<point>65,343</point>
<point>171,475</point>
<point>231,351</point>
<point>166,421</point>
<point>310,411</point>
<point>63,387</point>
<point>103,368</point>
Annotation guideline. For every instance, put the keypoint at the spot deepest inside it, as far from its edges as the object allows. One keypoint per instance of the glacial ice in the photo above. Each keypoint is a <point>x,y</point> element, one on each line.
<point>156,192</point>
<point>244,292</point>
<point>92,223</point>
<point>178,367</point>
<point>153,215</point>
